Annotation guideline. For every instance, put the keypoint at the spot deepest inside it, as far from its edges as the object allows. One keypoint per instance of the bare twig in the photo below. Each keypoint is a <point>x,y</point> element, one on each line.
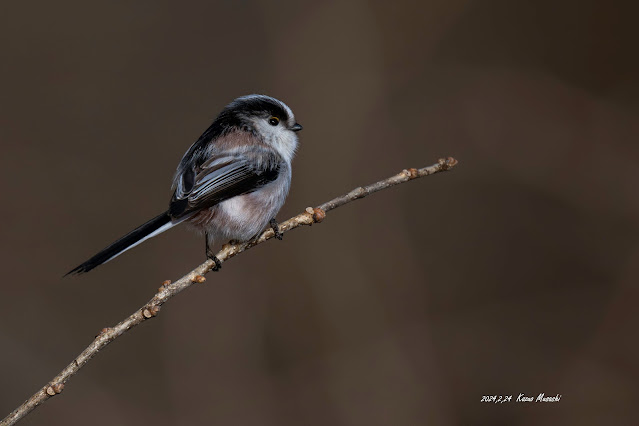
<point>168,290</point>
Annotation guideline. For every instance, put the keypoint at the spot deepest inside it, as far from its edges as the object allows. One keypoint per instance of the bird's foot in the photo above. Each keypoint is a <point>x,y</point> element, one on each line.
<point>276,229</point>
<point>213,257</point>
<point>218,262</point>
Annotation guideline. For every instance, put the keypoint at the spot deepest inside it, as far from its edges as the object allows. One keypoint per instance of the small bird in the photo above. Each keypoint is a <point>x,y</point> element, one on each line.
<point>230,183</point>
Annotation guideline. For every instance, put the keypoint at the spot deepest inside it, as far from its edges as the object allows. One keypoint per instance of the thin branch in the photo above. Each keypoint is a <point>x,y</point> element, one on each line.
<point>168,290</point>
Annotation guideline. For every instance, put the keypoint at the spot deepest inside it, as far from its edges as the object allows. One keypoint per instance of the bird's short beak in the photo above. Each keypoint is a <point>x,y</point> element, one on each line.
<point>296,127</point>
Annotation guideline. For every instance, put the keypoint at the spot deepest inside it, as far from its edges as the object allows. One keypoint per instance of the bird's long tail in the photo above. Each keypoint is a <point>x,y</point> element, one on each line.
<point>142,233</point>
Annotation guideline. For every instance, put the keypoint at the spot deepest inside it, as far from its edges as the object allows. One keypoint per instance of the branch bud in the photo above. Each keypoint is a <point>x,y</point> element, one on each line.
<point>55,389</point>
<point>151,311</point>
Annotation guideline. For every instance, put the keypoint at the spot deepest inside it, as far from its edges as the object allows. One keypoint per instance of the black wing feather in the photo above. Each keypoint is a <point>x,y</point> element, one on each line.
<point>221,178</point>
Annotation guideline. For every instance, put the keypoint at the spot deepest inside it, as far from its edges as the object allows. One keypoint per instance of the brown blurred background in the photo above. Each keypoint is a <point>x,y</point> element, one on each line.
<point>515,273</point>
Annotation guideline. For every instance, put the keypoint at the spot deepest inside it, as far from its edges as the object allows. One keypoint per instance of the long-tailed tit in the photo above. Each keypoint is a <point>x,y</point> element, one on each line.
<point>230,183</point>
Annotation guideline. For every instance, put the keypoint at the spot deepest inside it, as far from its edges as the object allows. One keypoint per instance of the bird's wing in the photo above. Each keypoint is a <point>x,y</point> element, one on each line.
<point>220,178</point>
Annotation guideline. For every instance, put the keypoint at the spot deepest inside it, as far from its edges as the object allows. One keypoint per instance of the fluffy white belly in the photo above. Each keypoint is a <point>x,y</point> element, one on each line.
<point>243,217</point>
<point>244,211</point>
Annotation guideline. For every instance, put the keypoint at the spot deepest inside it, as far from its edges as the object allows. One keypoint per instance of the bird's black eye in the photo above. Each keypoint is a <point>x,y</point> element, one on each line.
<point>273,121</point>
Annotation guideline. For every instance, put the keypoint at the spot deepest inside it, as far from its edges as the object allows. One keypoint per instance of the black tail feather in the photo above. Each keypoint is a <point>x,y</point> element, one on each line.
<point>132,238</point>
